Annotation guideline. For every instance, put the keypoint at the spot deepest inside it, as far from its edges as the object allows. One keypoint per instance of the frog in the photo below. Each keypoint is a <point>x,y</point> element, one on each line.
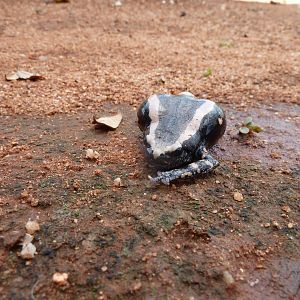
<point>178,130</point>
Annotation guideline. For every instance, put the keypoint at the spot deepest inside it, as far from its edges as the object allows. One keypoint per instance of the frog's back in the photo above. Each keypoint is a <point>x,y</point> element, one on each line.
<point>174,119</point>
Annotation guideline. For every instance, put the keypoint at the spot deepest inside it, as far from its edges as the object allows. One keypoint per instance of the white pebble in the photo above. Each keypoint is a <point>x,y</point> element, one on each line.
<point>227,277</point>
<point>32,227</point>
<point>60,278</point>
<point>118,182</point>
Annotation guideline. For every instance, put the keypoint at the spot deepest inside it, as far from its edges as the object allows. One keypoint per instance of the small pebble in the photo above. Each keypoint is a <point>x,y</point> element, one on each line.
<point>290,225</point>
<point>24,194</point>
<point>32,227</point>
<point>276,225</point>
<point>238,196</point>
<point>228,279</point>
<point>76,185</point>
<point>28,249</point>
<point>286,208</point>
<point>104,268</point>
<point>34,202</point>
<point>118,3</point>
<point>154,197</point>
<point>118,182</point>
<point>60,278</point>
<point>98,172</point>
<point>137,286</point>
<point>253,283</point>
<point>28,156</point>
<point>91,154</point>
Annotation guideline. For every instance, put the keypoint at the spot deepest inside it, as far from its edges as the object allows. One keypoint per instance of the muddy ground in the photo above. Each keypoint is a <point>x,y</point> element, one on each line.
<point>141,241</point>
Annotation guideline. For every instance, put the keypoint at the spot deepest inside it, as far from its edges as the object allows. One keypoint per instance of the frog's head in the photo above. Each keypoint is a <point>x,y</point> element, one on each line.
<point>178,128</point>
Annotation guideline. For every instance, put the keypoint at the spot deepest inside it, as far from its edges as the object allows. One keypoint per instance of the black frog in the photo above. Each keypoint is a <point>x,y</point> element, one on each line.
<point>178,130</point>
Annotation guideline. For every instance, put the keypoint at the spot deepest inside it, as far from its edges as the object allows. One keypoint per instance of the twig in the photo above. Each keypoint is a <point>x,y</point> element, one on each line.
<point>32,289</point>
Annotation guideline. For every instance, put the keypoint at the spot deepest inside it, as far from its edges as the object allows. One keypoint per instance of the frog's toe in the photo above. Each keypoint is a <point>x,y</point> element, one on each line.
<point>159,179</point>
<point>203,166</point>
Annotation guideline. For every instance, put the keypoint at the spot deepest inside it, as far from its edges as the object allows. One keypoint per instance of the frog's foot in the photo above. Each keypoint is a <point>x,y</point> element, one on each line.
<point>203,166</point>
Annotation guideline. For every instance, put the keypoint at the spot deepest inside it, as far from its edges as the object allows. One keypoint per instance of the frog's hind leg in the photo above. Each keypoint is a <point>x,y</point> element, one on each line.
<point>203,166</point>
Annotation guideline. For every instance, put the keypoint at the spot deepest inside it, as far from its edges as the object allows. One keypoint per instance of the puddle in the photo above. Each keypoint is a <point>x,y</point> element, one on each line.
<point>278,144</point>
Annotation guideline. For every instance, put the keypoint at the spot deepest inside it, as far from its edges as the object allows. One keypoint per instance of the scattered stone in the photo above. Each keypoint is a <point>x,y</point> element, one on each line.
<point>259,266</point>
<point>43,58</point>
<point>267,225</point>
<point>91,154</point>
<point>118,182</point>
<point>32,227</point>
<point>286,208</point>
<point>228,279</point>
<point>24,194</point>
<point>162,79</point>
<point>34,202</point>
<point>28,249</point>
<point>276,225</point>
<point>28,156</point>
<point>290,225</point>
<point>104,268</point>
<point>275,155</point>
<point>137,286</point>
<point>154,197</point>
<point>253,283</point>
<point>98,172</point>
<point>76,185</point>
<point>238,196</point>
<point>118,3</point>
<point>60,278</point>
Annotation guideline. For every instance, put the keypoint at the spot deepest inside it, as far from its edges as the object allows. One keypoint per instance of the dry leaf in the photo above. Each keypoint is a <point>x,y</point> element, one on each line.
<point>56,1</point>
<point>112,122</point>
<point>23,75</point>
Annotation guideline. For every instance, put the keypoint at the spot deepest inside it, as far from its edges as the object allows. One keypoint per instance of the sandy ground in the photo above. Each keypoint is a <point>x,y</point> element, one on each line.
<point>141,241</point>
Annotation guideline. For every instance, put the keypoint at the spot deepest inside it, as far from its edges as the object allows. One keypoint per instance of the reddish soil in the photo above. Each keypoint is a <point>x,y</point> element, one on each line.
<point>141,241</point>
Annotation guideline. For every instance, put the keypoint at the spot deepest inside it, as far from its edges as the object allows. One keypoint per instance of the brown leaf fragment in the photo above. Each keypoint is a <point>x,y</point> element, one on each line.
<point>111,122</point>
<point>56,1</point>
<point>23,75</point>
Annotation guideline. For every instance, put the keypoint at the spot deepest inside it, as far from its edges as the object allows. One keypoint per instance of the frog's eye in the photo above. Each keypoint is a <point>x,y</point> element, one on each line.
<point>143,116</point>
